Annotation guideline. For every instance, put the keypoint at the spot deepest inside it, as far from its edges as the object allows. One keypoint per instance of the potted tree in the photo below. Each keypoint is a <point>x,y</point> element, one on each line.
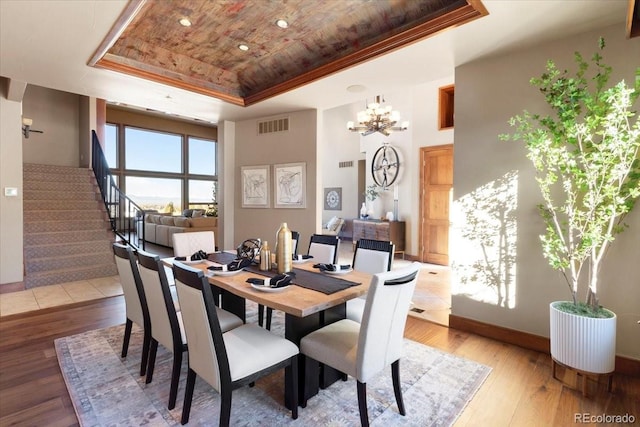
<point>585,154</point>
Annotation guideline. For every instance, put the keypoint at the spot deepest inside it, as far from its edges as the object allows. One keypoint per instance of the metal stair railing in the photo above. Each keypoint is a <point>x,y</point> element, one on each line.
<point>126,217</point>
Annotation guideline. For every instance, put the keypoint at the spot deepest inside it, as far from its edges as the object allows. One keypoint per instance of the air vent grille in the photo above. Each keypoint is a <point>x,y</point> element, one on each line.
<point>273,125</point>
<point>348,164</point>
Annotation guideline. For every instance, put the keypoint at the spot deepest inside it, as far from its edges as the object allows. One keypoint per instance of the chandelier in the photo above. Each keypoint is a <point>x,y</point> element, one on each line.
<point>377,118</point>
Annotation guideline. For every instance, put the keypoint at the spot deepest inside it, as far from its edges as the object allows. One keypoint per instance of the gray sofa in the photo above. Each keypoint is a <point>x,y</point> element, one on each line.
<point>159,228</point>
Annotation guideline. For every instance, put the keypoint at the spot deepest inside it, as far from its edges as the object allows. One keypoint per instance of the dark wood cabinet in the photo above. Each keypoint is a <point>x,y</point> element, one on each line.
<point>393,231</point>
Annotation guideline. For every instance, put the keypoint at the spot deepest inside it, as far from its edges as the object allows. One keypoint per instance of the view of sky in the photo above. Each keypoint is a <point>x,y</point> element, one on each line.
<point>165,156</point>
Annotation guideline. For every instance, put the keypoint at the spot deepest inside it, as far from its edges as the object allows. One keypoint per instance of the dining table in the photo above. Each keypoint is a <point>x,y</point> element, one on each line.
<point>313,300</point>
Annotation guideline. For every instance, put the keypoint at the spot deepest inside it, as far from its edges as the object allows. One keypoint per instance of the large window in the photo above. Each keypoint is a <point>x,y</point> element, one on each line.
<point>163,171</point>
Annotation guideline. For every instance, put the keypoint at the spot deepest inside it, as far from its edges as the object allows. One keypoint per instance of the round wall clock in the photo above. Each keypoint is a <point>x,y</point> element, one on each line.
<point>385,166</point>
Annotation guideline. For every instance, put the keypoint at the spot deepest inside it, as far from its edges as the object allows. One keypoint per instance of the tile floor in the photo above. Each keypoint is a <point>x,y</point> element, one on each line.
<point>432,298</point>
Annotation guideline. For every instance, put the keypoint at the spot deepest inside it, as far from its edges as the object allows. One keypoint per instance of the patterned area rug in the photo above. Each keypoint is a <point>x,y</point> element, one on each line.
<point>107,390</point>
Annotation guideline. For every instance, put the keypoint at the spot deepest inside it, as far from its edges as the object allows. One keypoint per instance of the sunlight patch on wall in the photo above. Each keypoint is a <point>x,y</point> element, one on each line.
<point>484,237</point>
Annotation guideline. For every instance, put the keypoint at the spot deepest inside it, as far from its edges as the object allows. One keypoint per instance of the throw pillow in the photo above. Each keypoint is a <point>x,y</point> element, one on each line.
<point>197,213</point>
<point>187,213</point>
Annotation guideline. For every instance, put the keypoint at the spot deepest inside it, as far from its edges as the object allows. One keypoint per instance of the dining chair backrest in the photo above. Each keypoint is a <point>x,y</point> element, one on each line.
<point>207,353</point>
<point>323,248</point>
<point>186,244</point>
<point>295,238</point>
<point>384,318</point>
<point>134,298</point>
<point>165,327</point>
<point>373,256</point>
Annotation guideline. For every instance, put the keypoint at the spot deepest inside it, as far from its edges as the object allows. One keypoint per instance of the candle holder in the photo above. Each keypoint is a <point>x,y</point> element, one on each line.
<point>395,210</point>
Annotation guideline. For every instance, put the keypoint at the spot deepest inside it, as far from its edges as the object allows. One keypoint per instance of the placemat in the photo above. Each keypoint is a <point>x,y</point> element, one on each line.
<point>221,257</point>
<point>310,280</point>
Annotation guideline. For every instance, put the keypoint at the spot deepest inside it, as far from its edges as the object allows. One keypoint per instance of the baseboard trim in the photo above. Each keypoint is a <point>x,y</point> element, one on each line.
<point>624,365</point>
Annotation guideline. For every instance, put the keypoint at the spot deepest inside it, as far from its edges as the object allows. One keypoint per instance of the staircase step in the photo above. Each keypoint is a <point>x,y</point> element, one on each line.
<point>36,265</point>
<point>67,225</point>
<point>53,277</point>
<point>66,248</point>
<point>67,234</point>
<point>76,205</point>
<point>49,185</point>
<point>61,215</point>
<point>60,195</point>
<point>34,239</point>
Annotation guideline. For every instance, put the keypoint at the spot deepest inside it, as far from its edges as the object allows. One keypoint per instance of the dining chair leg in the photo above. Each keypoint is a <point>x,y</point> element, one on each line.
<point>175,377</point>
<point>362,404</point>
<point>188,396</point>
<point>151,364</point>
<point>293,375</point>
<point>395,374</point>
<point>146,343</point>
<point>225,407</point>
<point>127,336</point>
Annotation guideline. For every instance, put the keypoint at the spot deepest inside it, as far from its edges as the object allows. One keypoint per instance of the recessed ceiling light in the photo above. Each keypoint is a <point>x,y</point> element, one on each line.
<point>356,88</point>
<point>185,22</point>
<point>243,47</point>
<point>282,23</point>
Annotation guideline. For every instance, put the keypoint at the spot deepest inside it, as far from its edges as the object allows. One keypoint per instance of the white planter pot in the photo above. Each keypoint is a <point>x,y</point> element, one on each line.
<point>583,343</point>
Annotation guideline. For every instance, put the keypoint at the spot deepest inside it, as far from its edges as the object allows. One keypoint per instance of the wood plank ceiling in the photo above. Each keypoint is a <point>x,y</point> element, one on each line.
<point>323,37</point>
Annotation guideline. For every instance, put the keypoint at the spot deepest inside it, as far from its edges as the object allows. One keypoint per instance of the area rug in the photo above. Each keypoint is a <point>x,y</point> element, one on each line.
<point>107,390</point>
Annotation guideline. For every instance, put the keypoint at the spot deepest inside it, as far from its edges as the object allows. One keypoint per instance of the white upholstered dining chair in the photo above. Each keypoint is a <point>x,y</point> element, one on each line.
<point>323,248</point>
<point>166,323</point>
<point>134,299</point>
<point>370,256</point>
<point>229,360</point>
<point>186,244</point>
<point>362,350</point>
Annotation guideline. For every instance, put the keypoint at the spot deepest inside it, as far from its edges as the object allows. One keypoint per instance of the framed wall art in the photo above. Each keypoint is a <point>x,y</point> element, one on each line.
<point>333,199</point>
<point>290,184</point>
<point>255,186</point>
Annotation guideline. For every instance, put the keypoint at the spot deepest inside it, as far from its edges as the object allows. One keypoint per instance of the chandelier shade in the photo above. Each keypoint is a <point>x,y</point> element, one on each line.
<point>377,118</point>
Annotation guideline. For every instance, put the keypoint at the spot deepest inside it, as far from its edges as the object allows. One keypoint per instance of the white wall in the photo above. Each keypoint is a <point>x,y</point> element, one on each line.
<point>500,276</point>
<point>11,224</point>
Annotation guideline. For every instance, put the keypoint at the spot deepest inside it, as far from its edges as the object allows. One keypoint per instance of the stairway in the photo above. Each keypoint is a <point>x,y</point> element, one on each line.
<point>67,235</point>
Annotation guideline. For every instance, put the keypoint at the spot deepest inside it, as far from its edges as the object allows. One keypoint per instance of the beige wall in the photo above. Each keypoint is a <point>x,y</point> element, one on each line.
<point>495,247</point>
<point>116,115</point>
<point>11,254</point>
<point>299,144</point>
<point>58,115</point>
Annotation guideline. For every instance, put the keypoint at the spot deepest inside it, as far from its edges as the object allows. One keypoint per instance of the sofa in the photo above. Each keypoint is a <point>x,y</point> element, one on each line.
<point>159,228</point>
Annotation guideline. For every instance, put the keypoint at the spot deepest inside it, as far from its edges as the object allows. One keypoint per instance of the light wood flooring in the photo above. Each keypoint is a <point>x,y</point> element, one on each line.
<point>520,391</point>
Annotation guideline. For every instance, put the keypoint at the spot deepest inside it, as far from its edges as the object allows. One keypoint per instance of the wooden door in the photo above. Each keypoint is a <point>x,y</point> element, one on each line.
<point>436,182</point>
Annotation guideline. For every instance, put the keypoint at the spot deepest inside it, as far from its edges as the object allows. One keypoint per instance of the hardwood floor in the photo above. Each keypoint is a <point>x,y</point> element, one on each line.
<point>520,390</point>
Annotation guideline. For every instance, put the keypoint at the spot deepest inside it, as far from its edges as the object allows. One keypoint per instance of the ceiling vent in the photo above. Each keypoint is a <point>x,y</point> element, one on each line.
<point>273,125</point>
<point>348,164</point>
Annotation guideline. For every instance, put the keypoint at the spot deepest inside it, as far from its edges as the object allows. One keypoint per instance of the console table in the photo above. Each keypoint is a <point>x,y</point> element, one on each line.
<point>393,231</point>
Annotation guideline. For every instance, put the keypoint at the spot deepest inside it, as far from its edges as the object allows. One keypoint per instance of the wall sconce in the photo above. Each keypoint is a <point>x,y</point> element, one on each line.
<point>26,127</point>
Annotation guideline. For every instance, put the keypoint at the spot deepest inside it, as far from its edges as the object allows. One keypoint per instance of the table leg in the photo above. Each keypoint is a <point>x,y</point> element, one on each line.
<point>234,304</point>
<point>310,375</point>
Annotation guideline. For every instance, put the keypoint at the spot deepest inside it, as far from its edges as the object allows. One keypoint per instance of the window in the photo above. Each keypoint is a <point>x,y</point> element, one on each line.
<point>152,151</point>
<point>202,156</point>
<point>161,194</point>
<point>163,171</point>
<point>111,145</point>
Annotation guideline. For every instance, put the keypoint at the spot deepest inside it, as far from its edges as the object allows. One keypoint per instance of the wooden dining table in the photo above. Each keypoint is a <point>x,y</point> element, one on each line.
<point>305,311</point>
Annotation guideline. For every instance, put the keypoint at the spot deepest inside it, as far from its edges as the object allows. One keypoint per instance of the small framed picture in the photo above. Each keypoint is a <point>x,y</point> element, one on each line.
<point>290,184</point>
<point>333,199</point>
<point>255,186</point>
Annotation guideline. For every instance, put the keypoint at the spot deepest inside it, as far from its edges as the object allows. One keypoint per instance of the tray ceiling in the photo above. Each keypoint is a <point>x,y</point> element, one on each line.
<point>323,37</point>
